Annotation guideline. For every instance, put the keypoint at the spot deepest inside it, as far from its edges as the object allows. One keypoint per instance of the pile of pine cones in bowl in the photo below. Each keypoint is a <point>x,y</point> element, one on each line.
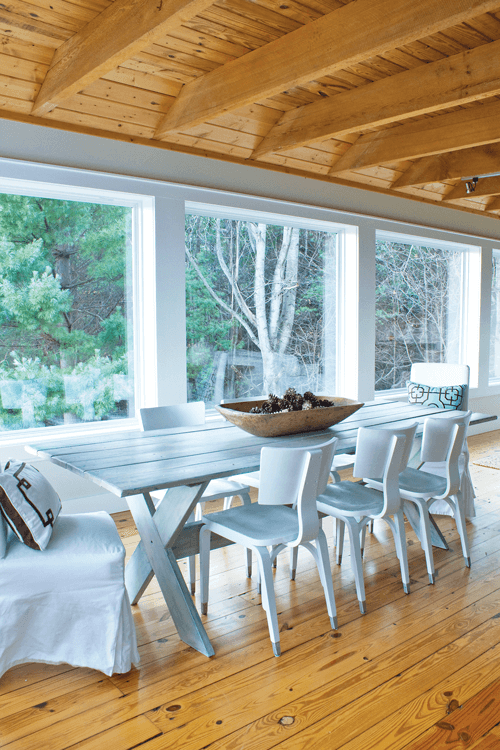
<point>288,415</point>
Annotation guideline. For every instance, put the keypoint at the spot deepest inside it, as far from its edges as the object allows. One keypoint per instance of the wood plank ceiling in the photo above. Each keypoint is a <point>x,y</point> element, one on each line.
<point>400,96</point>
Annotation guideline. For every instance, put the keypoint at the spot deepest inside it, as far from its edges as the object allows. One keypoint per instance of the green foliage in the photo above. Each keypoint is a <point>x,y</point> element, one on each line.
<point>36,305</point>
<point>62,297</point>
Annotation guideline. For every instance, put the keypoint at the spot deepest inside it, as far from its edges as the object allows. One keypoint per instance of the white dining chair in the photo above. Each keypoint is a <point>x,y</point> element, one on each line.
<point>191,415</point>
<point>380,453</point>
<point>442,443</point>
<point>67,603</point>
<point>289,476</point>
<point>437,375</point>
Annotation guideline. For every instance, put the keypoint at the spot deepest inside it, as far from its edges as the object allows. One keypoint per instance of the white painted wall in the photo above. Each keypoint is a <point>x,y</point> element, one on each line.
<point>173,178</point>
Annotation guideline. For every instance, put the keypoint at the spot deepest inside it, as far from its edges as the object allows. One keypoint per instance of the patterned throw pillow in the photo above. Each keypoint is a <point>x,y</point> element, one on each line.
<point>29,503</point>
<point>446,397</point>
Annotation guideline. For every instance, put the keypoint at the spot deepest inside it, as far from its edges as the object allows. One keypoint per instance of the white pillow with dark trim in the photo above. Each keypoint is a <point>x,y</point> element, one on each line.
<point>29,503</point>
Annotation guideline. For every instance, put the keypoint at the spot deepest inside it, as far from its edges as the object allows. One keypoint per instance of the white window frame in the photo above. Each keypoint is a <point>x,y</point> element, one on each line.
<point>347,278</point>
<point>143,302</point>
<point>469,313</point>
<point>160,280</point>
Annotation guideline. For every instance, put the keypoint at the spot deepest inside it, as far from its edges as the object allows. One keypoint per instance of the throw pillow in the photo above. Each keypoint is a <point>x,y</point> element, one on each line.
<point>29,503</point>
<point>446,397</point>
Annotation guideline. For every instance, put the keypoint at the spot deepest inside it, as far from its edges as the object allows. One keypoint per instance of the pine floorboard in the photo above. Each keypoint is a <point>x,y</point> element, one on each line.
<point>417,672</point>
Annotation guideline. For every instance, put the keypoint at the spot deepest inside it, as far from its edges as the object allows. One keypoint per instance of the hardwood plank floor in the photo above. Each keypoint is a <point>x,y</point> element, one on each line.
<point>417,672</point>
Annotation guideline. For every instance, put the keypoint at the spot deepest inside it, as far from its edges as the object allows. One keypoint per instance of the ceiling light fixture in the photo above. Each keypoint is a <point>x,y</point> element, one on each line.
<point>470,185</point>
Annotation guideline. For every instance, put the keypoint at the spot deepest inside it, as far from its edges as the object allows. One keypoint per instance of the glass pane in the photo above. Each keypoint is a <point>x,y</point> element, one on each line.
<point>260,305</point>
<point>418,297</point>
<point>494,373</point>
<point>64,311</point>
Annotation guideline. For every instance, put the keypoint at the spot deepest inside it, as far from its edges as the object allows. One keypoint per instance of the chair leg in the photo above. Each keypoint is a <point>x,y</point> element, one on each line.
<point>321,557</point>
<point>195,516</point>
<point>294,551</point>
<point>356,560</point>
<point>192,573</point>
<point>205,535</point>
<point>398,530</point>
<point>362,537</point>
<point>246,500</point>
<point>268,597</point>
<point>425,537</point>
<point>459,513</point>
<point>339,538</point>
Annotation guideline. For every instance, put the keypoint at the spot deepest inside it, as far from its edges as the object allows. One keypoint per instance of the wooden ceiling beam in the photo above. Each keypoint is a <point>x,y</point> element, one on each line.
<point>485,186</point>
<point>493,205</point>
<point>459,79</point>
<point>115,35</point>
<point>343,37</point>
<point>465,163</point>
<point>453,131</point>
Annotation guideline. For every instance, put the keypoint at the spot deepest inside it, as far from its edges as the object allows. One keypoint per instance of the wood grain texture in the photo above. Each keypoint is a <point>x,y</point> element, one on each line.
<point>455,80</point>
<point>447,132</point>
<point>337,40</point>
<point>120,31</point>
<point>316,89</point>
<point>418,671</point>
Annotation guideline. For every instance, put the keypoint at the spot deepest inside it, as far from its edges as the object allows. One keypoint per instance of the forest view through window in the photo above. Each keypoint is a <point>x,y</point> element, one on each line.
<point>64,309</point>
<point>494,373</point>
<point>260,307</point>
<point>418,300</point>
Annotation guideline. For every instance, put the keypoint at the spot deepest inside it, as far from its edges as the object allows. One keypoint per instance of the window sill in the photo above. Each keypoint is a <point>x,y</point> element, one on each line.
<point>42,434</point>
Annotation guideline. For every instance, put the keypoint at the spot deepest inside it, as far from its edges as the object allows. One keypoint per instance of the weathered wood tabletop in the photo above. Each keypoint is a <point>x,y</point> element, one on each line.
<point>133,463</point>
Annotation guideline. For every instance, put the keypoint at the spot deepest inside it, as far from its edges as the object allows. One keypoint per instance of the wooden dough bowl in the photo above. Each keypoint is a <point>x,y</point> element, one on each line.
<point>287,423</point>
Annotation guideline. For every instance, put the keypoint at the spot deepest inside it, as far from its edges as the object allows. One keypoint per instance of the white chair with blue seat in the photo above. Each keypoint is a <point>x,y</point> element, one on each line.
<point>445,386</point>
<point>442,443</point>
<point>289,476</point>
<point>191,415</point>
<point>379,453</point>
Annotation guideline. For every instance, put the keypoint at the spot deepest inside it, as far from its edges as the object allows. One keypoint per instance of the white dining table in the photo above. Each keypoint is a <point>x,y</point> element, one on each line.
<point>132,463</point>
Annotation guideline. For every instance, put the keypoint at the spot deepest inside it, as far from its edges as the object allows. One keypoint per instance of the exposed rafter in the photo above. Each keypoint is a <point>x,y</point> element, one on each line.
<point>485,186</point>
<point>343,37</point>
<point>459,79</point>
<point>494,205</point>
<point>449,132</point>
<point>465,163</point>
<point>114,36</point>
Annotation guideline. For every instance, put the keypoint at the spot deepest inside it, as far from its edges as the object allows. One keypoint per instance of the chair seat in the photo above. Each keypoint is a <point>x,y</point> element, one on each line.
<point>218,488</point>
<point>257,523</point>
<point>350,499</point>
<point>343,461</point>
<point>421,483</point>
<point>252,478</point>
<point>68,603</point>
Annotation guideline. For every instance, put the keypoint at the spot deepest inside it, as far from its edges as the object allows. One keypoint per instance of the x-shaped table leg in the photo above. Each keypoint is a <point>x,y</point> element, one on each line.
<point>158,529</point>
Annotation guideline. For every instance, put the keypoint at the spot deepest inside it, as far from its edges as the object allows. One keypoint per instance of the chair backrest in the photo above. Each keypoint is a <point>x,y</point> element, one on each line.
<point>443,440</point>
<point>436,374</point>
<point>296,476</point>
<point>178,415</point>
<point>380,454</point>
